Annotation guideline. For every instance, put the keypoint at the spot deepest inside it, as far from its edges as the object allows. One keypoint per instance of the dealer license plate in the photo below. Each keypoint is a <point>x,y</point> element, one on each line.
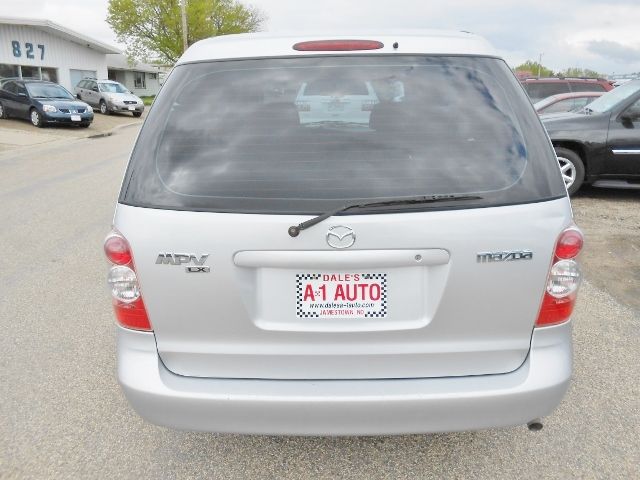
<point>75,118</point>
<point>132,108</point>
<point>341,295</point>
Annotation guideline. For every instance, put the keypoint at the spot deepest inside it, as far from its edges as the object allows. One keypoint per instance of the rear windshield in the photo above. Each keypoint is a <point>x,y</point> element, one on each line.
<point>539,90</point>
<point>240,136</point>
<point>335,87</point>
<point>587,87</point>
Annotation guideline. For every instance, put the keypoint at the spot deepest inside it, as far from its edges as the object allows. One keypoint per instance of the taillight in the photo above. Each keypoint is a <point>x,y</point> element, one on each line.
<point>123,284</point>
<point>563,280</point>
<point>117,249</point>
<point>337,45</point>
<point>569,243</point>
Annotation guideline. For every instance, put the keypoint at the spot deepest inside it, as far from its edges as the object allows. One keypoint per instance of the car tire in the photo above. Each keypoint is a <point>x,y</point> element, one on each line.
<point>103,108</point>
<point>3,114</point>
<point>137,114</point>
<point>85,125</point>
<point>36,118</point>
<point>571,167</point>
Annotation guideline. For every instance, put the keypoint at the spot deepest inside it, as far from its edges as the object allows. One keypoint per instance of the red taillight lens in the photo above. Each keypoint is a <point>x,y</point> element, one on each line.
<point>555,310</point>
<point>117,250</point>
<point>337,45</point>
<point>569,244</point>
<point>132,315</point>
<point>123,282</point>
<point>563,280</point>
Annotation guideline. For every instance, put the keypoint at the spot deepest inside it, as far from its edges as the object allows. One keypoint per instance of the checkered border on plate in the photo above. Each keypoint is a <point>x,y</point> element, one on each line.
<point>299,278</point>
<point>315,276</point>
<point>383,277</point>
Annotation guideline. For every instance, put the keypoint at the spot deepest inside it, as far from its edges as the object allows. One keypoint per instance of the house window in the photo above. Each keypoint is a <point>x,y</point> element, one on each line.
<point>139,81</point>
<point>50,74</point>
<point>153,76</point>
<point>30,72</point>
<point>8,70</point>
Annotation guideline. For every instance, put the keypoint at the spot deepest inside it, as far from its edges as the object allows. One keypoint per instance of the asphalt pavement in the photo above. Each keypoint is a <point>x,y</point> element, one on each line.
<point>62,414</point>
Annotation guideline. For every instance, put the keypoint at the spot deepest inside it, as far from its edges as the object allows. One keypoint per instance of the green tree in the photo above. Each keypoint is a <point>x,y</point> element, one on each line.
<point>579,72</point>
<point>532,68</point>
<point>152,29</point>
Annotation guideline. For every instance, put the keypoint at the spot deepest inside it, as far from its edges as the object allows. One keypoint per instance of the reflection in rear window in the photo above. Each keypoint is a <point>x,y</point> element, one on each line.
<point>245,136</point>
<point>335,87</point>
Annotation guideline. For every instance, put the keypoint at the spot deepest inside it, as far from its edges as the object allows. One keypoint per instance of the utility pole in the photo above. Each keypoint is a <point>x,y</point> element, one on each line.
<point>183,11</point>
<point>539,65</point>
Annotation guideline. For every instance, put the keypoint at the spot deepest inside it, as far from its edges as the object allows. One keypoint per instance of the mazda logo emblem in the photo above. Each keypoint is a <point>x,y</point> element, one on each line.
<point>340,236</point>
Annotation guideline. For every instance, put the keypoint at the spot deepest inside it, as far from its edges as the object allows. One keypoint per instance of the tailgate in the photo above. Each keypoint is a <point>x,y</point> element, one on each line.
<point>409,298</point>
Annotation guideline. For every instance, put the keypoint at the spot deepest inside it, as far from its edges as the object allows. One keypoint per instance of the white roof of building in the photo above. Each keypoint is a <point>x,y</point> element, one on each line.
<point>254,45</point>
<point>121,62</point>
<point>60,31</point>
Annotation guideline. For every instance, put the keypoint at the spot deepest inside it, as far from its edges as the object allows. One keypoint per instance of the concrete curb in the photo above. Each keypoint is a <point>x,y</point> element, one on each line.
<point>108,133</point>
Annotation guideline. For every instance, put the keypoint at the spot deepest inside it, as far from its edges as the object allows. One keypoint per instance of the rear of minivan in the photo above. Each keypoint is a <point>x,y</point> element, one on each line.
<point>408,270</point>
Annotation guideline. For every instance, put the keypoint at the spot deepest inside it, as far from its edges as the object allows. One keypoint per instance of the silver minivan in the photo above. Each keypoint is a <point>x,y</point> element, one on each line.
<point>412,272</point>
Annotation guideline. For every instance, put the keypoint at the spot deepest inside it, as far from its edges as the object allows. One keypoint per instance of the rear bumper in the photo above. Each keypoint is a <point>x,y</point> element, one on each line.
<point>346,407</point>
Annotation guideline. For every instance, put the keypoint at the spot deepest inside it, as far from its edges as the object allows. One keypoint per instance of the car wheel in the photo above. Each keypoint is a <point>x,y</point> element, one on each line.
<point>36,118</point>
<point>2,112</point>
<point>103,108</point>
<point>571,167</point>
<point>137,114</point>
<point>85,125</point>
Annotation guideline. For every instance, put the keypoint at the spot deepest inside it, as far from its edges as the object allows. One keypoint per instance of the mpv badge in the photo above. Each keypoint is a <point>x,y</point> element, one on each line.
<point>340,236</point>
<point>182,259</point>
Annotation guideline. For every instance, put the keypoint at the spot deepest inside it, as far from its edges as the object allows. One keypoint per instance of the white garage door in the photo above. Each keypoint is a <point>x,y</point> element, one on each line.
<point>77,75</point>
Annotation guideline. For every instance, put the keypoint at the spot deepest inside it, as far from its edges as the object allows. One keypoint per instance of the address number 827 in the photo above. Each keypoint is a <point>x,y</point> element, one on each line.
<point>28,49</point>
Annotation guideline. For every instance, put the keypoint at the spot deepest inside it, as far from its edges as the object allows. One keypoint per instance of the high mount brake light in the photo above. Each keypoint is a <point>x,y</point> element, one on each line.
<point>563,280</point>
<point>337,45</point>
<point>123,283</point>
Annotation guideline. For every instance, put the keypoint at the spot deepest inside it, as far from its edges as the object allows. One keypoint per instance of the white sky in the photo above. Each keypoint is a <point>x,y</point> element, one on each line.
<point>597,34</point>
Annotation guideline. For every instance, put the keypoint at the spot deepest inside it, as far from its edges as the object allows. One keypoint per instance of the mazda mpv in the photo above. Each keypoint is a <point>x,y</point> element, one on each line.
<point>415,272</point>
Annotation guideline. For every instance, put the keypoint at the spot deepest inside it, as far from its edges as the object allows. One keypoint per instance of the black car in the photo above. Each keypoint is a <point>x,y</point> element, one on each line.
<point>600,144</point>
<point>42,102</point>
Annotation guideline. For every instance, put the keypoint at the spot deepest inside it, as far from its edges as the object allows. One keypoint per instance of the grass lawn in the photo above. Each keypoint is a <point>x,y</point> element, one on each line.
<point>148,100</point>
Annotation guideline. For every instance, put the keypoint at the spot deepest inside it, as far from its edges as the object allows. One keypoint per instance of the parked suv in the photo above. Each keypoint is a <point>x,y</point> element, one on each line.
<point>539,88</point>
<point>42,103</point>
<point>415,273</point>
<point>109,97</point>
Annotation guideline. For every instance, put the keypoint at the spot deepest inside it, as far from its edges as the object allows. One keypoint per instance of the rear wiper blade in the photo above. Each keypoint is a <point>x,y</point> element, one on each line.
<point>294,230</point>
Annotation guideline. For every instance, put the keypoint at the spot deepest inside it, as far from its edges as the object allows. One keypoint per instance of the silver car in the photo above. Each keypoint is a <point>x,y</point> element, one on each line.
<point>109,97</point>
<point>275,276</point>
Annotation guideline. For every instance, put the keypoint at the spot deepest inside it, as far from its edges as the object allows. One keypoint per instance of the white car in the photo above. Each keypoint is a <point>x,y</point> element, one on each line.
<point>109,97</point>
<point>330,100</point>
<point>275,277</point>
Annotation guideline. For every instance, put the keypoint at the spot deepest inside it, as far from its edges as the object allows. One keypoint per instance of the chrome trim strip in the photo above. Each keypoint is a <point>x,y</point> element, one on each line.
<point>627,151</point>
